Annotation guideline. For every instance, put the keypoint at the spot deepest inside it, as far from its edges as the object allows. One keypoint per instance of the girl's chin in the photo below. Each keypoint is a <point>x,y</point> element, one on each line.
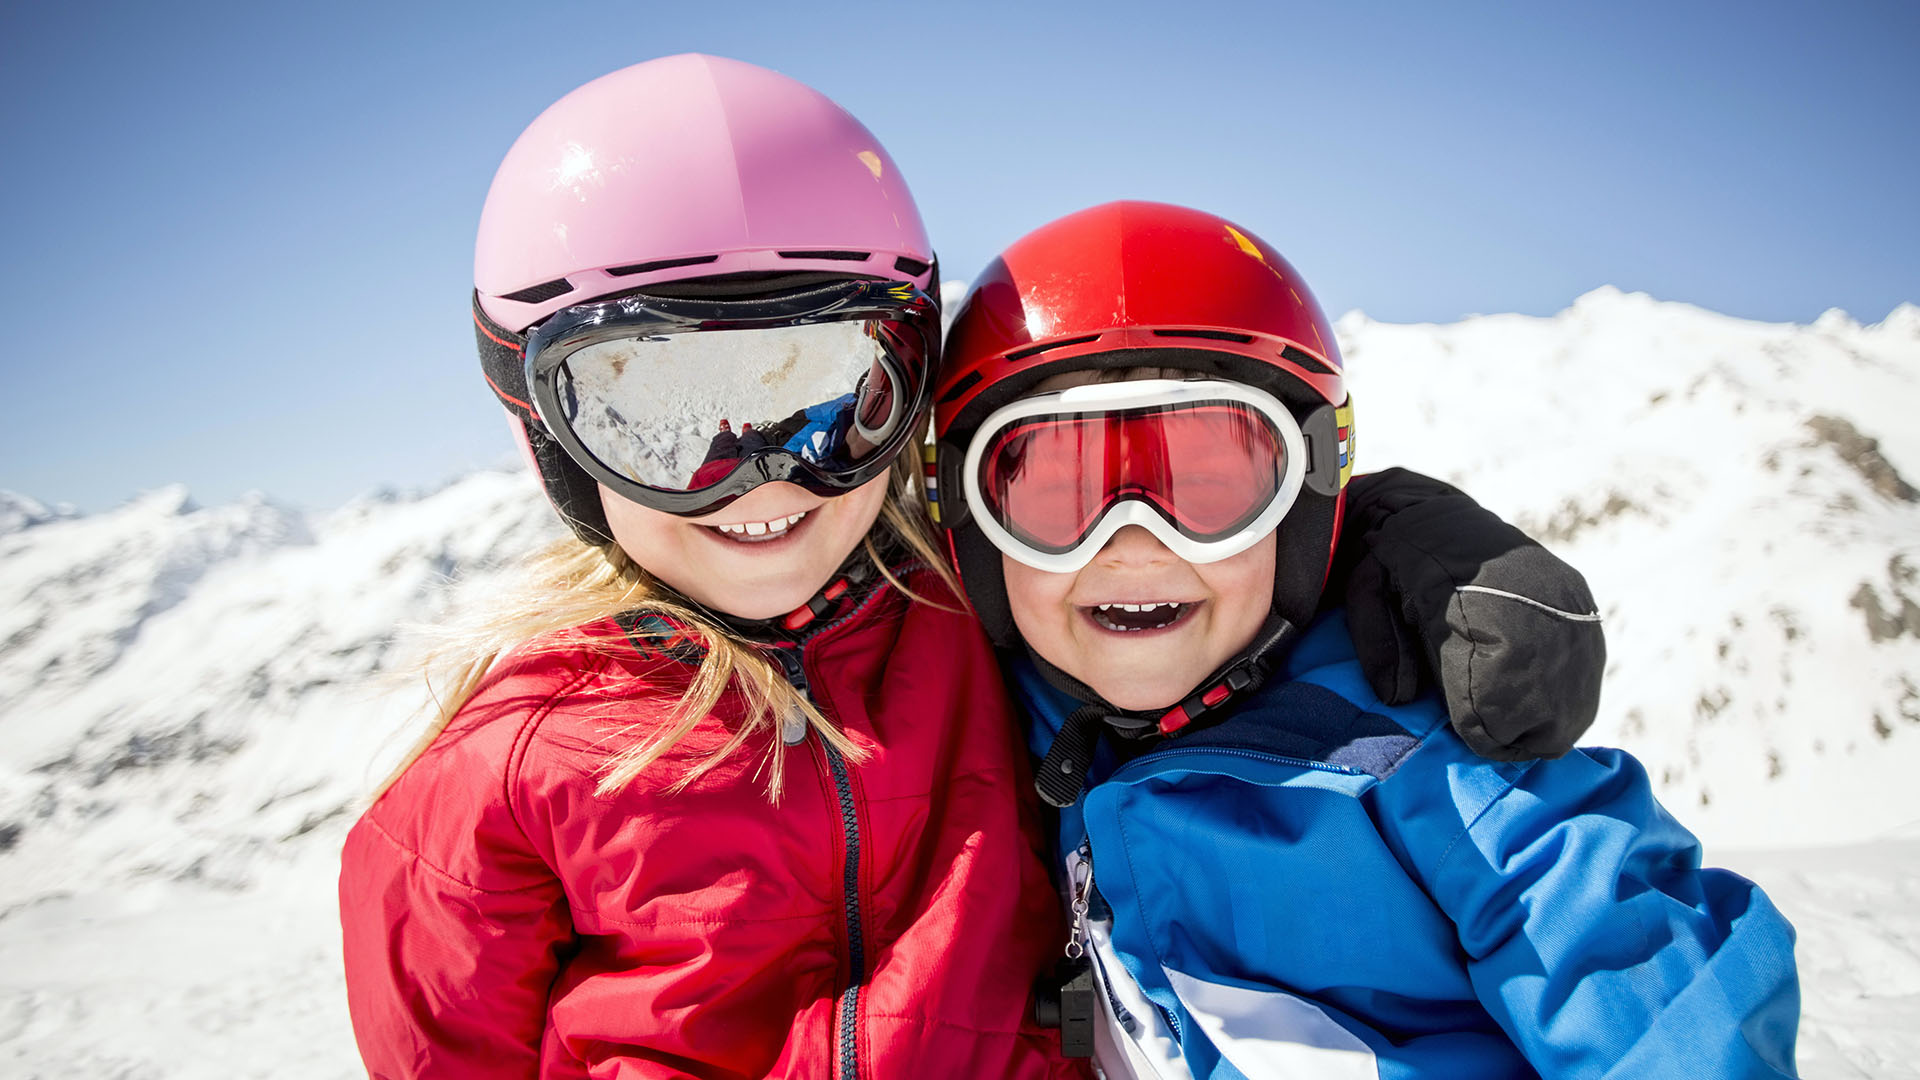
<point>743,599</point>
<point>754,606</point>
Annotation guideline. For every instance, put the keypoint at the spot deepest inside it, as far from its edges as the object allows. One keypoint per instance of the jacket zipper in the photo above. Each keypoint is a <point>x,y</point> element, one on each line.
<point>846,1040</point>
<point>1081,894</point>
<point>849,1043</point>
<point>1146,761</point>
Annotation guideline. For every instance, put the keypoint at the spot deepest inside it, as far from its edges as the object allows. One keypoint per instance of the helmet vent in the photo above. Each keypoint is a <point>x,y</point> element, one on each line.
<point>1036,350</point>
<point>661,264</point>
<point>965,384</point>
<point>1306,360</point>
<point>541,293</point>
<point>910,267</point>
<point>1216,335</point>
<point>837,256</point>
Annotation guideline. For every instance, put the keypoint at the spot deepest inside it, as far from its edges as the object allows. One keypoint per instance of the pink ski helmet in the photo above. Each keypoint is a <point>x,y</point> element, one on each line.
<point>679,168</point>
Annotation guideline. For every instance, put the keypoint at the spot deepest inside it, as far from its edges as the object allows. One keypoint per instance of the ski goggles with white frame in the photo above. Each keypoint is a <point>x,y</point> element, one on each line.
<point>1208,467</point>
<point>684,405</point>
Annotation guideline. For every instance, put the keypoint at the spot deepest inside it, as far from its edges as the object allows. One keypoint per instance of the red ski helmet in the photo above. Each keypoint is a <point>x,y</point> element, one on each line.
<point>1132,284</point>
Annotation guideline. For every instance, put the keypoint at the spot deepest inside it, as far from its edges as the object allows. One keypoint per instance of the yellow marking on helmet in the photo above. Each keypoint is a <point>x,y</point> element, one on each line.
<point>1245,244</point>
<point>1343,421</point>
<point>872,162</point>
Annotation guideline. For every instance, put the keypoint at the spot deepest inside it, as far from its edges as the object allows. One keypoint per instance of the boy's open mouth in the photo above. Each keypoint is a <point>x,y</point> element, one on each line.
<point>1134,618</point>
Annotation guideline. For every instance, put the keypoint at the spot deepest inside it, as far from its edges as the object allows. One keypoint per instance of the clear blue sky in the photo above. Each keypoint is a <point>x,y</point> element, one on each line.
<point>238,238</point>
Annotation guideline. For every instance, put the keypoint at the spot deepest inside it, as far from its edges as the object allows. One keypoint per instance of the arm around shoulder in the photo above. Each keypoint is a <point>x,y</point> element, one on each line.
<point>1595,937</point>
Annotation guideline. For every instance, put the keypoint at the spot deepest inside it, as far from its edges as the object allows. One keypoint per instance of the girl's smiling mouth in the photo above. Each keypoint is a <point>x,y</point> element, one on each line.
<point>760,532</point>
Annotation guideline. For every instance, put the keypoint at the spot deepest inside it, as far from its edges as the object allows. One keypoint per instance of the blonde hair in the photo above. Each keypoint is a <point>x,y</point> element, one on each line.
<point>571,584</point>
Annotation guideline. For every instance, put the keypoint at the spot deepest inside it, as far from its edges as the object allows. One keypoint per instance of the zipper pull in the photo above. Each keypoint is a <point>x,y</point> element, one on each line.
<point>1081,873</point>
<point>793,726</point>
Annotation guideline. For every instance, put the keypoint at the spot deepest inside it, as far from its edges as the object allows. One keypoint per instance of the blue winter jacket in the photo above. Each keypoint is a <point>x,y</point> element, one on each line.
<point>1326,886</point>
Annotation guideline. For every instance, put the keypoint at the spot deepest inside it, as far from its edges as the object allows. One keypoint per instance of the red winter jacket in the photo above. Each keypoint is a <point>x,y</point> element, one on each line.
<point>885,920</point>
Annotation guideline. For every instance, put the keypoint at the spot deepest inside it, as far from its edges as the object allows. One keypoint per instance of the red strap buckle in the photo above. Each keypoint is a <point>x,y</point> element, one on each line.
<point>817,606</point>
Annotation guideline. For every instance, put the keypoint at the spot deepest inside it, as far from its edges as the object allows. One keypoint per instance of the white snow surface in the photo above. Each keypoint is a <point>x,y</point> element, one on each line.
<point>192,705</point>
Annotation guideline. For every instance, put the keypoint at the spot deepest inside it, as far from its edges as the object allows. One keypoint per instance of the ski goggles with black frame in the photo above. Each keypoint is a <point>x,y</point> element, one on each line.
<point>1208,467</point>
<point>684,405</point>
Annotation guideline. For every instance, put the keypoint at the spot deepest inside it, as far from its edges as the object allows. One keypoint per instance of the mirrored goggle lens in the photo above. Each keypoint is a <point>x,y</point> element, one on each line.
<point>1208,468</point>
<point>681,411</point>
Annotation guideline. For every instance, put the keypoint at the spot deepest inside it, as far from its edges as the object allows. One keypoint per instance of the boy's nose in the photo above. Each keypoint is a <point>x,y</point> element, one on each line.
<point>1134,546</point>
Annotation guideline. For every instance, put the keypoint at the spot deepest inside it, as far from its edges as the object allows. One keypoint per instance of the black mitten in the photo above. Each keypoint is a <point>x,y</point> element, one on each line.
<point>1436,585</point>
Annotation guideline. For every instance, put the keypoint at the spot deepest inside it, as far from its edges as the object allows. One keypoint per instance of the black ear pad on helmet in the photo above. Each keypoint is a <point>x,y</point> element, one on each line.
<point>1303,550</point>
<point>985,583</point>
<point>574,495</point>
<point>572,492</point>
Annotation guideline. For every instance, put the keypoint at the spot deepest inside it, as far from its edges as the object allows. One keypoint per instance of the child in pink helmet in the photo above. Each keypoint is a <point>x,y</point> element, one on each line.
<point>732,789</point>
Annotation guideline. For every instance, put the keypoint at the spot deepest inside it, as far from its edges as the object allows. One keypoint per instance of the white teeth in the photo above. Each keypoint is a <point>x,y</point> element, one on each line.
<point>1167,611</point>
<point>762,528</point>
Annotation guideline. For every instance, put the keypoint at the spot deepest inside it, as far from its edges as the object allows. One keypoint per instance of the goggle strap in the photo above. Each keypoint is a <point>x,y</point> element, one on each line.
<point>930,479</point>
<point>945,465</point>
<point>502,361</point>
<point>1326,449</point>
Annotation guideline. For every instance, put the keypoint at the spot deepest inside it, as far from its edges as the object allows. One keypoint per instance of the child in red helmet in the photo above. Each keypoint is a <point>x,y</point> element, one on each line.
<point>1273,866</point>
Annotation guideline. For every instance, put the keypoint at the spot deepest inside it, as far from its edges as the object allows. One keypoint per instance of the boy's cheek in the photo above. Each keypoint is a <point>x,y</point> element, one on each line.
<point>1038,602</point>
<point>1154,670</point>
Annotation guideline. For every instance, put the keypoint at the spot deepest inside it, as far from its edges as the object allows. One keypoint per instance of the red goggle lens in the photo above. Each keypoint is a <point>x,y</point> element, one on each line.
<point>1208,468</point>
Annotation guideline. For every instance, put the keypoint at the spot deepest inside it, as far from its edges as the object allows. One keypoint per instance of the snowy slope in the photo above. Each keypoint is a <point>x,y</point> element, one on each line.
<point>191,698</point>
<point>1739,497</point>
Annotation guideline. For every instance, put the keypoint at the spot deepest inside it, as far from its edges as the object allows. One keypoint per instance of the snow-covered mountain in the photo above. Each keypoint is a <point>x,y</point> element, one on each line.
<point>1740,498</point>
<point>193,700</point>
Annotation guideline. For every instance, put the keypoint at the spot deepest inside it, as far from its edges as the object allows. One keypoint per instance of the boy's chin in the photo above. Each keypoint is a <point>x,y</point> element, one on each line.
<point>1140,695</point>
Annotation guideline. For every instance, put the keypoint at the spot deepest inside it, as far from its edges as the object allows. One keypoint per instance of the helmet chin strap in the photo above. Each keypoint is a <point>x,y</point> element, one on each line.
<point>1063,774</point>
<point>850,579</point>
